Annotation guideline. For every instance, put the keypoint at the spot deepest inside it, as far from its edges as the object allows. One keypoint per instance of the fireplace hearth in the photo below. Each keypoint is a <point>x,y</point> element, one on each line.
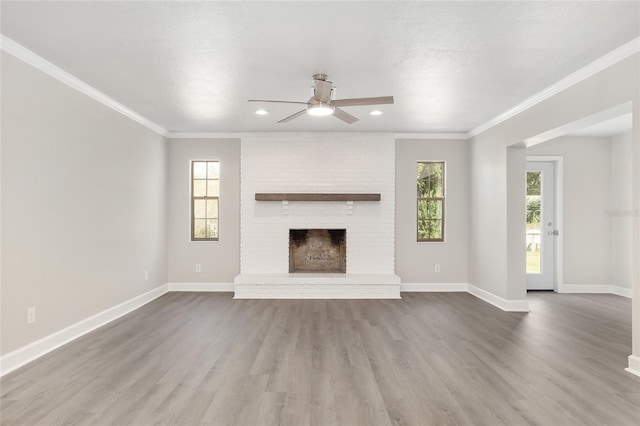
<point>317,250</point>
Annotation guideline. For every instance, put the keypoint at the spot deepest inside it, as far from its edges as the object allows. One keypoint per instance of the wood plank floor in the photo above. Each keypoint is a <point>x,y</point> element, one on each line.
<point>428,359</point>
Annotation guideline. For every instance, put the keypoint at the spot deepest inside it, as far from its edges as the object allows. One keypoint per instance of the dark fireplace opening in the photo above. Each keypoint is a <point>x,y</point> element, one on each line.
<point>318,250</point>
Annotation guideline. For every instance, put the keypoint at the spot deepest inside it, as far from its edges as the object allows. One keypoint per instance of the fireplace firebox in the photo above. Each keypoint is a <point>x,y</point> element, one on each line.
<point>318,250</point>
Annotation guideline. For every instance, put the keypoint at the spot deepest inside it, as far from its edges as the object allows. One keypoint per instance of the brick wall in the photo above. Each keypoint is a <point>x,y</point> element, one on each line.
<point>330,162</point>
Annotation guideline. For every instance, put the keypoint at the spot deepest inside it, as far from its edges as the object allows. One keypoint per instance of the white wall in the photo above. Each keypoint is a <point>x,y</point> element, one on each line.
<point>83,206</point>
<point>488,253</point>
<point>621,212</point>
<point>415,260</point>
<point>219,260</point>
<point>487,225</point>
<point>515,226</point>
<point>317,163</point>
<point>586,225</point>
<point>615,85</point>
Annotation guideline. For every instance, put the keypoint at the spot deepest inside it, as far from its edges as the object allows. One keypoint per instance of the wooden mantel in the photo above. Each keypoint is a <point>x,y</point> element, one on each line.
<point>298,196</point>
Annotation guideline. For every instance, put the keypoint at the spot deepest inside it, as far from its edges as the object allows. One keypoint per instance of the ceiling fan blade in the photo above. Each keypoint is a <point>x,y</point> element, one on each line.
<point>276,102</point>
<point>363,101</point>
<point>344,116</point>
<point>291,117</point>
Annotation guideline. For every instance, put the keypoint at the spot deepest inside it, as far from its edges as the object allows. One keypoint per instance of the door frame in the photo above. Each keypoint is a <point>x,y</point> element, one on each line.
<point>557,160</point>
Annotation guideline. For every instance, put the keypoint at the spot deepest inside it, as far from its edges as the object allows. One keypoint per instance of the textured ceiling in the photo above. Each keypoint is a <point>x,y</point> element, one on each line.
<point>191,66</point>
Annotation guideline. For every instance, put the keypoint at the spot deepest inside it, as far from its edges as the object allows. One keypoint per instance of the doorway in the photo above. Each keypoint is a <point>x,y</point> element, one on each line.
<point>542,227</point>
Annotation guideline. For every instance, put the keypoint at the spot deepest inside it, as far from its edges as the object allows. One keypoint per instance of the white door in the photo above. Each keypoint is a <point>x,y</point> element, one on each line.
<point>541,225</point>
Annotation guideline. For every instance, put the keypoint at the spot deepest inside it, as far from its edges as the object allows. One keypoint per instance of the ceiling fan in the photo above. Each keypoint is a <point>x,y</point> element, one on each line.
<point>322,102</point>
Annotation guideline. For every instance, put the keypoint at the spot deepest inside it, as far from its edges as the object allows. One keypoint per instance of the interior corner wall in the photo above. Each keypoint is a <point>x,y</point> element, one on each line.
<point>516,212</point>
<point>83,206</point>
<point>487,224</point>
<point>586,193</point>
<point>611,87</point>
<point>621,211</point>
<point>219,260</point>
<point>634,359</point>
<point>415,260</point>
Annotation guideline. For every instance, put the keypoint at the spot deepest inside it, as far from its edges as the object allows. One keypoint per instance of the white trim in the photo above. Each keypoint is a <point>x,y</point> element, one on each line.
<point>32,351</point>
<point>38,62</point>
<point>596,289</point>
<point>35,350</point>
<point>621,291</point>
<point>559,201</point>
<point>572,79</point>
<point>499,302</point>
<point>544,158</point>
<point>433,287</point>
<point>31,58</point>
<point>204,135</point>
<point>206,287</point>
<point>240,135</point>
<point>456,136</point>
<point>634,365</point>
<point>574,126</point>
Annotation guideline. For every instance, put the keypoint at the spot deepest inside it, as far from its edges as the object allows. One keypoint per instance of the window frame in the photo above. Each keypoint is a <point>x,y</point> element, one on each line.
<point>440,199</point>
<point>193,199</point>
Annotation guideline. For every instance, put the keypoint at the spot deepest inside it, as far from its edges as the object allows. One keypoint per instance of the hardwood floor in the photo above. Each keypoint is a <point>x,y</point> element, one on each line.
<point>428,359</point>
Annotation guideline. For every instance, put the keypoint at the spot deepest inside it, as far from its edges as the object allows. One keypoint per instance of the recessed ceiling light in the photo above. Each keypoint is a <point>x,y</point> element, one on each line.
<point>376,112</point>
<point>262,112</point>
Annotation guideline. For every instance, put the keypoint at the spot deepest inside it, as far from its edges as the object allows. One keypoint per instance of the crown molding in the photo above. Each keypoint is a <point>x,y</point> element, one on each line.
<point>457,136</point>
<point>582,74</point>
<point>204,135</point>
<point>240,135</point>
<point>38,62</point>
<point>31,58</point>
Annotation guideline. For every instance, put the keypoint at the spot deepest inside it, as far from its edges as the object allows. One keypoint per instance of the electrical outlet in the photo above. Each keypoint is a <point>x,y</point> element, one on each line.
<point>198,268</point>
<point>436,268</point>
<point>146,275</point>
<point>31,315</point>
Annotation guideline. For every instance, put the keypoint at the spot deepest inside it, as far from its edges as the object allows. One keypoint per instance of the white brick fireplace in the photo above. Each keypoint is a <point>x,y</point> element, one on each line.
<point>314,163</point>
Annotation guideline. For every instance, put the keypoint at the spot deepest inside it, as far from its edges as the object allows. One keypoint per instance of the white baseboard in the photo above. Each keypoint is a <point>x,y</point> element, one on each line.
<point>32,351</point>
<point>206,287</point>
<point>622,291</point>
<point>595,289</point>
<point>634,365</point>
<point>499,302</point>
<point>433,287</point>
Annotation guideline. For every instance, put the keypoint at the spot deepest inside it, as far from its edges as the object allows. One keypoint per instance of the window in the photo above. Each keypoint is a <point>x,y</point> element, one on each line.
<point>205,193</point>
<point>431,201</point>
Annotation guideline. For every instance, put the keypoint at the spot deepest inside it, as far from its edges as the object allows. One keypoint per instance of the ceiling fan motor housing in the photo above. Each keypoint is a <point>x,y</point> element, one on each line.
<point>322,92</point>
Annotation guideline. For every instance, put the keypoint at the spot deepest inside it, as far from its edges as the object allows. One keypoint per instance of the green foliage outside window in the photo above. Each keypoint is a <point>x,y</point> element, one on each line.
<point>205,194</point>
<point>430,189</point>
<point>533,197</point>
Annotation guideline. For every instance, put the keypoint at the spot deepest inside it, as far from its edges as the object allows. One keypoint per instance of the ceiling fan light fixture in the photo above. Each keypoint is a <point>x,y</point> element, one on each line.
<point>376,112</point>
<point>261,112</point>
<point>323,102</point>
<point>320,109</point>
